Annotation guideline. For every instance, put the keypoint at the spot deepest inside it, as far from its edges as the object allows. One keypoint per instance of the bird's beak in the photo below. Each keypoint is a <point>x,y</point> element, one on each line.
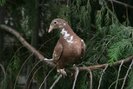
<point>50,29</point>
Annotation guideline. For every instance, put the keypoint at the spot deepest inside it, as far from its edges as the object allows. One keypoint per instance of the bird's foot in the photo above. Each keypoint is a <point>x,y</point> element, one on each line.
<point>62,71</point>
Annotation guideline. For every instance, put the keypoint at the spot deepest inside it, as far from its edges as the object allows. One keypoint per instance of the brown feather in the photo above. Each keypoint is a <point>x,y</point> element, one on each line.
<point>69,48</point>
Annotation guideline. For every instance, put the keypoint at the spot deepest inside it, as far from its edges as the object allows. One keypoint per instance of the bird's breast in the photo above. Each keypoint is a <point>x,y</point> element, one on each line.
<point>71,47</point>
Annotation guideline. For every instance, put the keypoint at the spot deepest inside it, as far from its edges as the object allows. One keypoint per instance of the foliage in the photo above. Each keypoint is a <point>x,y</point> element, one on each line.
<point>82,81</point>
<point>2,2</point>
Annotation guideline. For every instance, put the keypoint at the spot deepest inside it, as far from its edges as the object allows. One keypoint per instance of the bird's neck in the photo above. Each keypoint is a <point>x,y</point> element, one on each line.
<point>67,33</point>
<point>66,30</point>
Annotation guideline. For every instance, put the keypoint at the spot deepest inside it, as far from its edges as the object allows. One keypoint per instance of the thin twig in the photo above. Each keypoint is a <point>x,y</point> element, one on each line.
<point>31,73</point>
<point>34,75</point>
<point>118,74</point>
<point>130,66</point>
<point>21,69</point>
<point>46,78</point>
<point>112,6</point>
<point>121,3</point>
<point>75,77</point>
<point>3,69</point>
<point>91,78</point>
<point>115,82</point>
<point>102,77</point>
<point>56,81</point>
<point>127,18</point>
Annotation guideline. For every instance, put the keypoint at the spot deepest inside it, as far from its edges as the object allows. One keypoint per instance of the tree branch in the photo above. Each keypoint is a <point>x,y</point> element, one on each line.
<point>41,57</point>
<point>91,79</point>
<point>75,76</point>
<point>101,66</point>
<point>26,44</point>
<point>56,81</point>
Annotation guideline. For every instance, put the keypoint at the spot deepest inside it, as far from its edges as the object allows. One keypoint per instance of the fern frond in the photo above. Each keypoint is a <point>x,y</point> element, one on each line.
<point>120,48</point>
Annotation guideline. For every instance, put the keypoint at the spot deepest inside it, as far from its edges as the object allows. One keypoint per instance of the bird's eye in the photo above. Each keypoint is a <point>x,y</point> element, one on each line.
<point>55,22</point>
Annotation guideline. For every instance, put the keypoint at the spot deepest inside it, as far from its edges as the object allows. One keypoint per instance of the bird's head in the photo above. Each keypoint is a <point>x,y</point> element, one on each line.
<point>57,24</point>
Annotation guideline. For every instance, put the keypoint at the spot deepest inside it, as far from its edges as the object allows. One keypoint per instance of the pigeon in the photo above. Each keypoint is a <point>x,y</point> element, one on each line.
<point>70,48</point>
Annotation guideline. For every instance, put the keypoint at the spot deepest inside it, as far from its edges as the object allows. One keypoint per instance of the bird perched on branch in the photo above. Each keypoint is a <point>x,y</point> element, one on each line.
<point>69,49</point>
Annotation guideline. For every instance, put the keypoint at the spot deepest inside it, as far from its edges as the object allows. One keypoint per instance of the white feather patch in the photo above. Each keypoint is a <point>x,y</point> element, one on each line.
<point>47,59</point>
<point>83,43</point>
<point>67,36</point>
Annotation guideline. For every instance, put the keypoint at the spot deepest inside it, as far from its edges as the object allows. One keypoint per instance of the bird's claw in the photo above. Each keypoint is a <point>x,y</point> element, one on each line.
<point>62,71</point>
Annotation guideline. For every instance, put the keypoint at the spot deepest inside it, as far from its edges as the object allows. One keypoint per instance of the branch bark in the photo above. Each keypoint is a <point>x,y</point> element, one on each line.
<point>42,58</point>
<point>26,44</point>
<point>101,66</point>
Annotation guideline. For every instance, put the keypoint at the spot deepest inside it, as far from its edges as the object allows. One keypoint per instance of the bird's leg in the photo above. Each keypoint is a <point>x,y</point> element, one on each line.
<point>62,71</point>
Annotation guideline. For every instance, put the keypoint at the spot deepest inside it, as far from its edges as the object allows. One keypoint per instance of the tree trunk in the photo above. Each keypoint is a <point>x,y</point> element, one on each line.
<point>35,25</point>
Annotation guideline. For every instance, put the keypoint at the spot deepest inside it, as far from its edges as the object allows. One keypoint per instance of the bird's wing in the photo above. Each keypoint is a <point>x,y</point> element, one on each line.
<point>57,51</point>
